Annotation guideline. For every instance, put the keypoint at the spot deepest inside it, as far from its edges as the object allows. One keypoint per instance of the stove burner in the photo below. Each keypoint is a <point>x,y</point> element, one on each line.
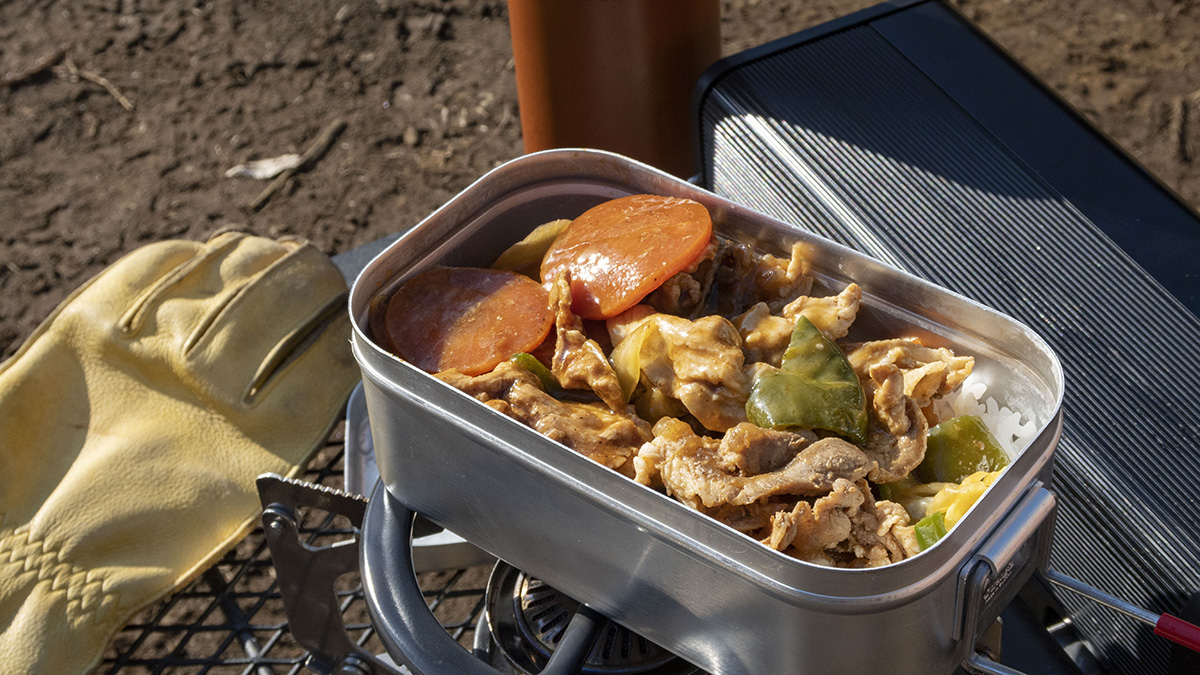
<point>528,618</point>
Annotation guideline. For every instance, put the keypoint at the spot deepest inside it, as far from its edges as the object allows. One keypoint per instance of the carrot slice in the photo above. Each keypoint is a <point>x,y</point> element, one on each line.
<point>467,318</point>
<point>621,250</point>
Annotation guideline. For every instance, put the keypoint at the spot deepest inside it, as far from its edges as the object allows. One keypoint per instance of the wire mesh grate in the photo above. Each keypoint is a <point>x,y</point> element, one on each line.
<point>232,620</point>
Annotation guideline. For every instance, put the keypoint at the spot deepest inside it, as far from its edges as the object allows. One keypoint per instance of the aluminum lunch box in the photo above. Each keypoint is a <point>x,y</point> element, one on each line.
<point>688,583</point>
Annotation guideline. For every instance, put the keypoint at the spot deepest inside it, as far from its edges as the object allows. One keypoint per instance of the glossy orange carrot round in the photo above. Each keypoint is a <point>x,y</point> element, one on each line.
<point>467,318</point>
<point>621,250</point>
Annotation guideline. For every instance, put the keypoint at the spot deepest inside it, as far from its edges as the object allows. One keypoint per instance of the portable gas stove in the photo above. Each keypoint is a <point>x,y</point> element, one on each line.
<point>901,132</point>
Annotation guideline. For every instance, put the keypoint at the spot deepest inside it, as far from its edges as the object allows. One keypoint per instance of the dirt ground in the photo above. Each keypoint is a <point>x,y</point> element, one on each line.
<point>126,138</point>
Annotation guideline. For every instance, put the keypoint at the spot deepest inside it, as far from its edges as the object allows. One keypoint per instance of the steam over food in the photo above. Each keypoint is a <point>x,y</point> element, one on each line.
<point>710,371</point>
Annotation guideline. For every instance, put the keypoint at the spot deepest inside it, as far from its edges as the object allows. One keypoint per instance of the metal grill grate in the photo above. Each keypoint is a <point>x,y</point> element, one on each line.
<point>231,619</point>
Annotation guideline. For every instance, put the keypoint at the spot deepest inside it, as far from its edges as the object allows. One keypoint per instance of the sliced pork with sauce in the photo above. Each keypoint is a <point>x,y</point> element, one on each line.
<point>591,429</point>
<point>579,362</point>
<point>766,335</point>
<point>928,372</point>
<point>691,469</point>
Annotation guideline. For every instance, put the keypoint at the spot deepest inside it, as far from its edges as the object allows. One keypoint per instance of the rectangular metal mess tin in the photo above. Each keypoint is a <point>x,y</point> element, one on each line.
<point>688,583</point>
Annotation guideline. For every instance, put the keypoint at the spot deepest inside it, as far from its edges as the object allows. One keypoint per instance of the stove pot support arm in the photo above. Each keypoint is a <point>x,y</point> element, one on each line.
<point>307,574</point>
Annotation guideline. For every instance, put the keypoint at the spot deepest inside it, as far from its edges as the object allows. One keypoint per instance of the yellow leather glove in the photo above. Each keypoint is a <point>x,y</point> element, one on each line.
<point>134,421</point>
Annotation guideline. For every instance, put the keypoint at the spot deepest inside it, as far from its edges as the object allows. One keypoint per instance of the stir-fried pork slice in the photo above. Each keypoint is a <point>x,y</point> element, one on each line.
<point>847,521</point>
<point>690,468</point>
<point>780,280</point>
<point>810,529</point>
<point>927,382</point>
<point>606,437</point>
<point>924,378</point>
<point>897,432</point>
<point>742,275</point>
<point>673,438</point>
<point>880,533</point>
<point>646,464</point>
<point>832,314</point>
<point>699,363</point>
<point>686,293</point>
<point>749,450</point>
<point>579,362</point>
<point>745,277</point>
<point>750,519</point>
<point>491,386</point>
<point>785,525</point>
<point>889,402</point>
<point>735,279</point>
<point>812,472</point>
<point>895,455</point>
<point>765,336</point>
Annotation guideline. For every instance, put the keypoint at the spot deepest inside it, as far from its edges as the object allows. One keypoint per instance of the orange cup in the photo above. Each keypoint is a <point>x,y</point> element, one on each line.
<point>613,74</point>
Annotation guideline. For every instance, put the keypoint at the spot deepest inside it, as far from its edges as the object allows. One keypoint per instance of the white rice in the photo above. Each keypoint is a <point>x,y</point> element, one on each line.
<point>1008,426</point>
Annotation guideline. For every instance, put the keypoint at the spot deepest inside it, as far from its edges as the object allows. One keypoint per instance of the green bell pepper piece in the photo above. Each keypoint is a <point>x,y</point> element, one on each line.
<point>815,388</point>
<point>959,447</point>
<point>930,529</point>
<point>529,362</point>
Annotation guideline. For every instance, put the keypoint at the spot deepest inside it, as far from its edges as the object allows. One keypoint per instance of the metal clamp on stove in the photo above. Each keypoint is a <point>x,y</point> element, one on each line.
<point>306,574</point>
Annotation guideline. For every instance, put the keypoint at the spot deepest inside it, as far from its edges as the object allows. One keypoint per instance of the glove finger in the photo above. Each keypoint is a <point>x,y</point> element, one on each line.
<point>172,307</point>
<point>266,323</point>
<point>109,294</point>
<point>302,396</point>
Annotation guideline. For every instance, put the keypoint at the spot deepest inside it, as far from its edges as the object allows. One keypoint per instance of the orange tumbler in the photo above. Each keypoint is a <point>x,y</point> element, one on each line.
<point>613,74</point>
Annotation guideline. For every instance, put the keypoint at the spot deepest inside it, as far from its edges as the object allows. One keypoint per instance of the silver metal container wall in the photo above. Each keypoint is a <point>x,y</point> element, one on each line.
<point>680,579</point>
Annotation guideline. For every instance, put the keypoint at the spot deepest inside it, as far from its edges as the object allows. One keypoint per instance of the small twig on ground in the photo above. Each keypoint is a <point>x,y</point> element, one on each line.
<point>1179,129</point>
<point>41,65</point>
<point>315,151</point>
<point>74,71</point>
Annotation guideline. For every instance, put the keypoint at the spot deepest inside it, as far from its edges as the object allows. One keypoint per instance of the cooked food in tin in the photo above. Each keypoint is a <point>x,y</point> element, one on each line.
<point>465,319</point>
<point>622,249</point>
<point>712,372</point>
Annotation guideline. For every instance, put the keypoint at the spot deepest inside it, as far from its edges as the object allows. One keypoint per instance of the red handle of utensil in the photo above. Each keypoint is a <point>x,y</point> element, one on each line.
<point>1178,631</point>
